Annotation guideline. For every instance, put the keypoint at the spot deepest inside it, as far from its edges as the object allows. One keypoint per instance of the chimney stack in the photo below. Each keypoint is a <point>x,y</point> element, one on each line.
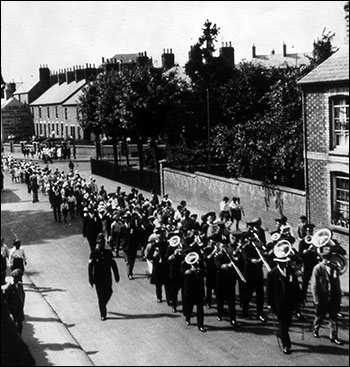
<point>168,59</point>
<point>254,51</point>
<point>284,50</point>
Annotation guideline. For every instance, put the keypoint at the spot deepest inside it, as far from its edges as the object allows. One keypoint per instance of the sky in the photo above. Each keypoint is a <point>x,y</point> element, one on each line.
<point>63,34</point>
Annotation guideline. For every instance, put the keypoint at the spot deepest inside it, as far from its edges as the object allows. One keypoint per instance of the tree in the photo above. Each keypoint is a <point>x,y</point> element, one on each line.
<point>322,49</point>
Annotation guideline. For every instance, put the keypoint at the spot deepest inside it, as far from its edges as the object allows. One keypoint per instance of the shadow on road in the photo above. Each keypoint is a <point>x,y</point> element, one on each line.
<point>140,316</point>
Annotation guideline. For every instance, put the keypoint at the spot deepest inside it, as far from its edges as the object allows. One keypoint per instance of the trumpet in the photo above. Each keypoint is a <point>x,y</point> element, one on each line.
<point>308,239</point>
<point>175,241</point>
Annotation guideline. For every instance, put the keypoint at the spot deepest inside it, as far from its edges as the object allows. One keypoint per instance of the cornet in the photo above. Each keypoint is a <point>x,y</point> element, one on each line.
<point>192,258</point>
<point>308,239</point>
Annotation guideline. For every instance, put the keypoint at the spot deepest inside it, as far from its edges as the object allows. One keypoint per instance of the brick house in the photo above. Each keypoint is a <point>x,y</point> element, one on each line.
<point>326,142</point>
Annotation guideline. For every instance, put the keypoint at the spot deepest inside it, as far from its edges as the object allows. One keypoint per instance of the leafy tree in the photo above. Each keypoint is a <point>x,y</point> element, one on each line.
<point>322,49</point>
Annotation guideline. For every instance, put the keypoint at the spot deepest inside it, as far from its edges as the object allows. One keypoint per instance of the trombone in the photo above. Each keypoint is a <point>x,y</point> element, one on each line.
<point>235,266</point>
<point>267,266</point>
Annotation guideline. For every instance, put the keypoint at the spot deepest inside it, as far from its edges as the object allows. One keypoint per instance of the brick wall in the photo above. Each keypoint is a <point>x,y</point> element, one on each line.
<point>322,162</point>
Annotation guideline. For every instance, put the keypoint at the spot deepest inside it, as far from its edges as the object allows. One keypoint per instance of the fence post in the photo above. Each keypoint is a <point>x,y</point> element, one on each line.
<point>161,172</point>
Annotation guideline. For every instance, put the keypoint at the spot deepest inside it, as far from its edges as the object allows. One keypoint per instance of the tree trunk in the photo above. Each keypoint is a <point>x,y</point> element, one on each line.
<point>115,149</point>
<point>153,146</point>
<point>126,152</point>
<point>140,151</point>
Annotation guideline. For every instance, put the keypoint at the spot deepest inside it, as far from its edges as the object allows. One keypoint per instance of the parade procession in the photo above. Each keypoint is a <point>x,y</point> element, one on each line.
<point>209,263</point>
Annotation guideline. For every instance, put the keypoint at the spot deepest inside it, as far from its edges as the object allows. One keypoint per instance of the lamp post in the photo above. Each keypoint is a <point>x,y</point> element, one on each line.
<point>208,128</point>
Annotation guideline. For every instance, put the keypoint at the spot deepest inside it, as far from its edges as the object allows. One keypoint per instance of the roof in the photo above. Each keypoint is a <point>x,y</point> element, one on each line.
<point>278,60</point>
<point>74,99</point>
<point>125,58</point>
<point>59,93</point>
<point>334,69</point>
<point>11,101</point>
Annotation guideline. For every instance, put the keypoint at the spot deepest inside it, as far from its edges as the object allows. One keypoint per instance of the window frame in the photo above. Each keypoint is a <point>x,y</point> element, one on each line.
<point>338,219</point>
<point>335,102</point>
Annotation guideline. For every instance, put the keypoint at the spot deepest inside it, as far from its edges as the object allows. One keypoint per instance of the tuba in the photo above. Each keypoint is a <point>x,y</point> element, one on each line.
<point>282,249</point>
<point>192,258</point>
<point>175,241</point>
<point>322,238</point>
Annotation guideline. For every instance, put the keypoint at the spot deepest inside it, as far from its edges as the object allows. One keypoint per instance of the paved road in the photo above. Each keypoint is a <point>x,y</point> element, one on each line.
<point>138,331</point>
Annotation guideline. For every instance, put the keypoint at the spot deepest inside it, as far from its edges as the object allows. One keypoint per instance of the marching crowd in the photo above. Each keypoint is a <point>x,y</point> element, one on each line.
<point>190,259</point>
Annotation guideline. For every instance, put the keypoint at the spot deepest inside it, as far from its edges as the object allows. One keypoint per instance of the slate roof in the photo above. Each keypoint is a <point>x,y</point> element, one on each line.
<point>59,93</point>
<point>278,60</point>
<point>125,58</point>
<point>73,100</point>
<point>334,69</point>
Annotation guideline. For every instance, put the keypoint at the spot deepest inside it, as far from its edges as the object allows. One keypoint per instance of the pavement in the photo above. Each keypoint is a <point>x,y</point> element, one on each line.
<point>62,326</point>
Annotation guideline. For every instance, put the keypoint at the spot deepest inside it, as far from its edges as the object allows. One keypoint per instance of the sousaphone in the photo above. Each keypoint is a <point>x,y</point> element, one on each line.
<point>174,241</point>
<point>321,237</point>
<point>191,258</point>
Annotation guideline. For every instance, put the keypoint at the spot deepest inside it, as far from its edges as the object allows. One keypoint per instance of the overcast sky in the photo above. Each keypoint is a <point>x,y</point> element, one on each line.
<point>62,34</point>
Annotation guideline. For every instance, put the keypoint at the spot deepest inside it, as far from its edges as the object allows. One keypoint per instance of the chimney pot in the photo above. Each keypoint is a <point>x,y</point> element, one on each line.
<point>230,44</point>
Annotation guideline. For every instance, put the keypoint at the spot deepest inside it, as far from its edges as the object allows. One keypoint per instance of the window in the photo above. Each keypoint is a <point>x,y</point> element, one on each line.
<point>39,108</point>
<point>62,130</point>
<point>340,122</point>
<point>40,129</point>
<point>66,132</point>
<point>79,133</point>
<point>56,111</point>
<point>48,112</point>
<point>340,204</point>
<point>66,113</point>
<point>58,129</point>
<point>77,110</point>
<point>72,132</point>
<point>32,111</point>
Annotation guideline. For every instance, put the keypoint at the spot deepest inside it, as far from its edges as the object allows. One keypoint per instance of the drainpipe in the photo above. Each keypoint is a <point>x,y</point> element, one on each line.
<point>306,170</point>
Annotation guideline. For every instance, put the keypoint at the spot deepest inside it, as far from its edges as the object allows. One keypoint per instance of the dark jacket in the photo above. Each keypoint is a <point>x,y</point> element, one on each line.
<point>100,265</point>
<point>283,293</point>
<point>91,226</point>
<point>324,286</point>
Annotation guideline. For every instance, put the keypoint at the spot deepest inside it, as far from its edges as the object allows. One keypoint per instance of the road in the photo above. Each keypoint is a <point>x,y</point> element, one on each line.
<point>138,330</point>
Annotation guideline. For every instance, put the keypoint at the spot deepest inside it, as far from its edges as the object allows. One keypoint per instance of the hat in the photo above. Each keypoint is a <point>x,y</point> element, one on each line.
<point>236,233</point>
<point>253,221</point>
<point>16,242</point>
<point>159,230</point>
<point>279,220</point>
<point>17,273</point>
<point>310,226</point>
<point>303,217</point>
<point>325,251</point>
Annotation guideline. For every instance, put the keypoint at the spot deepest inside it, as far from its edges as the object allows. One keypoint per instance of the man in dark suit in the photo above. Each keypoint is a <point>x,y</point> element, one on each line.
<point>193,289</point>
<point>92,226</point>
<point>326,292</point>
<point>160,270</point>
<point>129,238</point>
<point>309,256</point>
<point>283,293</point>
<point>100,264</point>
<point>225,283</point>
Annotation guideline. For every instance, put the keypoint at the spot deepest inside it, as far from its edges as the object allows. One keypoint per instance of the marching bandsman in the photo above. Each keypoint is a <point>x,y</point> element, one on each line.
<point>209,253</point>
<point>193,273</point>
<point>253,273</point>
<point>175,257</point>
<point>308,253</point>
<point>225,283</point>
<point>283,292</point>
<point>160,267</point>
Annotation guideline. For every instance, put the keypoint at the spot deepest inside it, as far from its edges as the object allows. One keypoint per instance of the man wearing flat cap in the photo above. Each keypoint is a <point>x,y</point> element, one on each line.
<point>326,293</point>
<point>283,293</point>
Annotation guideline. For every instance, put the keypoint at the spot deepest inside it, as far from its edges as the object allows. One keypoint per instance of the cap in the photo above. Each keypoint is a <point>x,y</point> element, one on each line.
<point>17,273</point>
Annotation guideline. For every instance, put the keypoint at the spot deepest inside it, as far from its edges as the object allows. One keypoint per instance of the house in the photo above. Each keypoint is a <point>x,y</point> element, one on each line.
<point>326,141</point>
